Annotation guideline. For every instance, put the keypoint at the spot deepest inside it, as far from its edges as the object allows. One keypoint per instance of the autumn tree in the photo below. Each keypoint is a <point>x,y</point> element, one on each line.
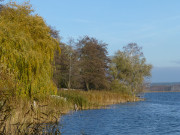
<point>93,63</point>
<point>26,50</point>
<point>66,73</point>
<point>129,68</point>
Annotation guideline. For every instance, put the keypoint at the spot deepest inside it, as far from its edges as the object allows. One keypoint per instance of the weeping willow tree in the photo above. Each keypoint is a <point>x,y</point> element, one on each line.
<point>26,50</point>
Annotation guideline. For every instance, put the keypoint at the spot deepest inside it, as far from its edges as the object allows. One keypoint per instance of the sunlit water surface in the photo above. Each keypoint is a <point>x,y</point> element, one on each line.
<point>158,115</point>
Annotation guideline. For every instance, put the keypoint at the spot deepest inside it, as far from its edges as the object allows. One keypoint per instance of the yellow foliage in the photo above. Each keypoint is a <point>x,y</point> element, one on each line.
<point>27,49</point>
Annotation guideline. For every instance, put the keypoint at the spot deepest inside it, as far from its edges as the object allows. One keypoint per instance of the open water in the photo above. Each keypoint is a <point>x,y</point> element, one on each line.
<point>159,114</point>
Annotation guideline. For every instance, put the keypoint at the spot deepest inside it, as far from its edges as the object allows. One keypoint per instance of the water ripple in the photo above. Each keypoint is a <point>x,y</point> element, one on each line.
<point>158,115</point>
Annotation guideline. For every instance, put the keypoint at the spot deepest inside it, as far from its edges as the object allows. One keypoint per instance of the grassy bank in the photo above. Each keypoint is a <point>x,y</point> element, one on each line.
<point>20,116</point>
<point>95,99</point>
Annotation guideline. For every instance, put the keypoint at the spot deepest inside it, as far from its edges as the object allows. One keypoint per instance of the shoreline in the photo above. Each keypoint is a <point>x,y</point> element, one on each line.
<point>26,115</point>
<point>104,106</point>
<point>159,91</point>
<point>95,99</point>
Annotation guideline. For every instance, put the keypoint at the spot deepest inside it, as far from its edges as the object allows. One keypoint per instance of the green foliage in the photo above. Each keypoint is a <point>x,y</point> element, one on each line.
<point>129,68</point>
<point>75,98</point>
<point>120,87</point>
<point>27,49</point>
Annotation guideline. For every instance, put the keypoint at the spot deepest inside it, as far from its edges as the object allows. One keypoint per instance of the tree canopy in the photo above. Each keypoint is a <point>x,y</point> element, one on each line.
<point>93,63</point>
<point>27,49</point>
<point>129,68</point>
<point>66,74</point>
<point>31,64</point>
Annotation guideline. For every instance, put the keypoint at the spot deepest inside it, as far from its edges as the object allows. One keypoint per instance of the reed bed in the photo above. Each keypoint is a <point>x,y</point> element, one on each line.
<point>23,116</point>
<point>95,99</point>
<point>41,115</point>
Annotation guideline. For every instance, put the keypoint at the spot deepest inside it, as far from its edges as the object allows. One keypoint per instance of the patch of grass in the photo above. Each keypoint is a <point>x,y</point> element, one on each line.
<point>95,99</point>
<point>75,98</point>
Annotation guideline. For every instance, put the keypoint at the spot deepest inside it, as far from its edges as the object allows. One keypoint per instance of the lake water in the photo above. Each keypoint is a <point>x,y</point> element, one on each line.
<point>158,115</point>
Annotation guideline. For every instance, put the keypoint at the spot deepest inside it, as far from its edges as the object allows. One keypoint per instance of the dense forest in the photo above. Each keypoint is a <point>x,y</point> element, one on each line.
<point>35,63</point>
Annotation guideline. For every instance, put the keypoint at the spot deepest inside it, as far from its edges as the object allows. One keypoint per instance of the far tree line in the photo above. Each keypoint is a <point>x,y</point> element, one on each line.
<point>85,64</point>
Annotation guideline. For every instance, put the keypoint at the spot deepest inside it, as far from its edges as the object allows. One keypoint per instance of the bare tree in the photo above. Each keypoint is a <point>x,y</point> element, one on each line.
<point>66,74</point>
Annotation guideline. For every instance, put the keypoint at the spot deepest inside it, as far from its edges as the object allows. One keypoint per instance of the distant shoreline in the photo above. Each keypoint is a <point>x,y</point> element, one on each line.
<point>158,91</point>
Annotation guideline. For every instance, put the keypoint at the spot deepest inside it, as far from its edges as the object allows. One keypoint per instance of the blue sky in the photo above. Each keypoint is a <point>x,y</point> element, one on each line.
<point>152,24</point>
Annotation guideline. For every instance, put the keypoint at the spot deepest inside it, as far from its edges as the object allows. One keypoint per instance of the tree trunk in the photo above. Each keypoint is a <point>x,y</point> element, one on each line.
<point>87,85</point>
